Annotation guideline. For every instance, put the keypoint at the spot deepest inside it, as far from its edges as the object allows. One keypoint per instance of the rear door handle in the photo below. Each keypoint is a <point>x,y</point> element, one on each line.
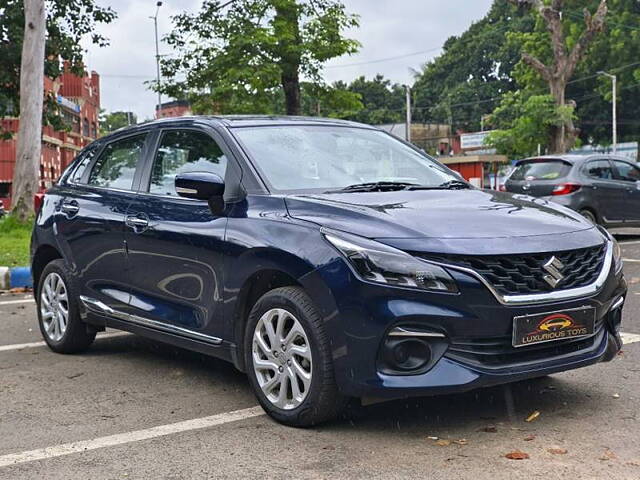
<point>136,222</point>
<point>70,208</point>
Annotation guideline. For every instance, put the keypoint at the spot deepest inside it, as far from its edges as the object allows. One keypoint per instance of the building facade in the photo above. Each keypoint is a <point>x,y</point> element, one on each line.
<point>176,108</point>
<point>79,102</point>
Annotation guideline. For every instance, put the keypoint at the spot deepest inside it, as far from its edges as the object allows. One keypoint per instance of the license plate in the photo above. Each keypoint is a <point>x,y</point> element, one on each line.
<point>553,326</point>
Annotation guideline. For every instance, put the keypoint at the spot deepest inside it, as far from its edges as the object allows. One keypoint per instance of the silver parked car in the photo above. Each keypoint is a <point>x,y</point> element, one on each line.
<point>603,188</point>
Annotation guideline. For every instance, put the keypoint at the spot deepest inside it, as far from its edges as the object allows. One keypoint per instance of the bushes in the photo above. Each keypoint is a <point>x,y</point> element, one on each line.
<point>14,242</point>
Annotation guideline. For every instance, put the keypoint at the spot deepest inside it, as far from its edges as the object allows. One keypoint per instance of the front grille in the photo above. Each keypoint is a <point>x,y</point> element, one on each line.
<point>524,273</point>
<point>499,353</point>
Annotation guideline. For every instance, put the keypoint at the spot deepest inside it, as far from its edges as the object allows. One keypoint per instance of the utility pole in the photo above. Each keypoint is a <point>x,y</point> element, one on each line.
<point>155,25</point>
<point>408,90</point>
<point>614,81</point>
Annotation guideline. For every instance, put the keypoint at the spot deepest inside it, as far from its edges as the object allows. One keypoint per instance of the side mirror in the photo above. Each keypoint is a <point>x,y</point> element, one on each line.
<point>199,185</point>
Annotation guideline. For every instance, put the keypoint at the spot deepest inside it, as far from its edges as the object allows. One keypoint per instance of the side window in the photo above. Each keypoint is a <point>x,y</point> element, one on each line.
<point>599,169</point>
<point>182,151</point>
<point>117,163</point>
<point>85,160</point>
<point>626,171</point>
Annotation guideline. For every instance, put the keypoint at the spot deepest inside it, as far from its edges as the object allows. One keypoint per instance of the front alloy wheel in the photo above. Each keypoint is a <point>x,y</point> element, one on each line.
<point>288,357</point>
<point>282,360</point>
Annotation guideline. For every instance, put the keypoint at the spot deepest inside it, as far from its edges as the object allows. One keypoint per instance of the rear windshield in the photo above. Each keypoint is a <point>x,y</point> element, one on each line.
<point>540,170</point>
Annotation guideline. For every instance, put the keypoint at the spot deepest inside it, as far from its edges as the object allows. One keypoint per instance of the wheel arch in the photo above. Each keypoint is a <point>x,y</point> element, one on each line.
<point>43,255</point>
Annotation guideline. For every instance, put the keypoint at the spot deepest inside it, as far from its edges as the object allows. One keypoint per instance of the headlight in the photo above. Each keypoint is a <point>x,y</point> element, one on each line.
<point>617,251</point>
<point>378,263</point>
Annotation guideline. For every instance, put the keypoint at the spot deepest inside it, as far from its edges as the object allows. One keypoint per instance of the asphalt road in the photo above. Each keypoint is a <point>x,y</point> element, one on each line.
<point>132,408</point>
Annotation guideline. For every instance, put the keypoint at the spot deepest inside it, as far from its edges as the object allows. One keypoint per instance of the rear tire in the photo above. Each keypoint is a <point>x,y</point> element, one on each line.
<point>58,315</point>
<point>288,359</point>
<point>589,215</point>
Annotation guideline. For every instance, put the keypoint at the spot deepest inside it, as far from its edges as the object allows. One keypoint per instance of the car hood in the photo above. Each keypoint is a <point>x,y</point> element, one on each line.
<point>449,220</point>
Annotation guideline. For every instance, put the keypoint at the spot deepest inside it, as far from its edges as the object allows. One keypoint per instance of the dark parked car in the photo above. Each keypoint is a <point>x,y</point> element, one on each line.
<point>326,259</point>
<point>603,188</point>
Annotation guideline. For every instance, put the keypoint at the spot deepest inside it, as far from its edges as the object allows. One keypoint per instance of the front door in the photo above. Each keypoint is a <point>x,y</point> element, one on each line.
<point>175,245</point>
<point>90,218</point>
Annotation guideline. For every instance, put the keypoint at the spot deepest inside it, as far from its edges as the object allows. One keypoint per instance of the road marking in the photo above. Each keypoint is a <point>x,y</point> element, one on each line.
<point>630,260</point>
<point>630,242</point>
<point>21,346</point>
<point>628,338</point>
<point>15,302</point>
<point>129,437</point>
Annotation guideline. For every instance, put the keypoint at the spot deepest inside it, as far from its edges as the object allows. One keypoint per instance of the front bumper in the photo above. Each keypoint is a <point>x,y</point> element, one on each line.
<point>475,325</point>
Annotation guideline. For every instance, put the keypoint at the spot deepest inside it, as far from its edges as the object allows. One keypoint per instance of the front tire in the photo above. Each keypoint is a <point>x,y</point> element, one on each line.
<point>288,359</point>
<point>58,315</point>
<point>589,215</point>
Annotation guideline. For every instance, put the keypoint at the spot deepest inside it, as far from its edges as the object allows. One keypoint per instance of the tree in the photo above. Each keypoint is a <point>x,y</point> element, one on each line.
<point>66,22</point>
<point>235,60</point>
<point>25,182</point>
<point>565,57</point>
<point>110,122</point>
<point>383,101</point>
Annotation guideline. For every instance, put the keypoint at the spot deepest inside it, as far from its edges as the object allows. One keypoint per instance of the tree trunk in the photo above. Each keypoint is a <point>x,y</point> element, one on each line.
<point>26,175</point>
<point>287,25</point>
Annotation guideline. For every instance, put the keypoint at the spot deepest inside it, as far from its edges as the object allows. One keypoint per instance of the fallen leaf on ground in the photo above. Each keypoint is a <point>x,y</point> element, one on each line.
<point>529,438</point>
<point>557,451</point>
<point>517,455</point>
<point>328,447</point>
<point>443,443</point>
<point>533,416</point>
<point>432,438</point>
<point>462,441</point>
<point>489,429</point>
<point>616,395</point>
<point>608,455</point>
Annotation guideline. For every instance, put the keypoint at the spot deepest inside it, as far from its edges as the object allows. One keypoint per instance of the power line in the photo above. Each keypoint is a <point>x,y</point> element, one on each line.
<point>382,60</point>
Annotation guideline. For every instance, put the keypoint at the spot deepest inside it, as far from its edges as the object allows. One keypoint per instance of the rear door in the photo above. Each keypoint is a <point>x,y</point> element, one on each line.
<point>176,245</point>
<point>629,176</point>
<point>607,193</point>
<point>537,177</point>
<point>90,217</point>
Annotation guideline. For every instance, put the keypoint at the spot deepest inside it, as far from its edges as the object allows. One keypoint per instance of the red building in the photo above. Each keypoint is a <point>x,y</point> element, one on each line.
<point>176,108</point>
<point>79,102</point>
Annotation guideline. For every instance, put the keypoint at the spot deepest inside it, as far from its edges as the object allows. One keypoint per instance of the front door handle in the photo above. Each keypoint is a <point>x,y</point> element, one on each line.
<point>70,208</point>
<point>136,222</point>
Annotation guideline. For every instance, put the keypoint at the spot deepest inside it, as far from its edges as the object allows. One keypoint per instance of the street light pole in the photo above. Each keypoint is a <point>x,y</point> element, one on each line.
<point>614,81</point>
<point>155,25</point>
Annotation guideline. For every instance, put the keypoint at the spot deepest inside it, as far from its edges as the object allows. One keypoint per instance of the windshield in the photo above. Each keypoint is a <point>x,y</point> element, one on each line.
<point>303,157</point>
<point>540,170</point>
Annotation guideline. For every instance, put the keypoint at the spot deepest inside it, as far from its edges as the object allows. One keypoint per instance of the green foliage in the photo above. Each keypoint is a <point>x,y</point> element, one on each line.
<point>66,23</point>
<point>524,122</point>
<point>237,59</point>
<point>110,122</point>
<point>383,102</point>
<point>15,237</point>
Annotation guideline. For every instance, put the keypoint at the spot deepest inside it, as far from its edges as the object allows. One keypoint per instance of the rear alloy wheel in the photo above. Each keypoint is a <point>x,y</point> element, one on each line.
<point>288,359</point>
<point>58,316</point>
<point>589,216</point>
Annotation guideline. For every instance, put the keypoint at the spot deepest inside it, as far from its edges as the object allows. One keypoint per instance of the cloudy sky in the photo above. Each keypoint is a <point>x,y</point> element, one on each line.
<point>413,29</point>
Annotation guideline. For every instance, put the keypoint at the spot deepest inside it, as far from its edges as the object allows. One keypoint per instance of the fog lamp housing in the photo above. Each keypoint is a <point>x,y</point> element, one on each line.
<point>409,351</point>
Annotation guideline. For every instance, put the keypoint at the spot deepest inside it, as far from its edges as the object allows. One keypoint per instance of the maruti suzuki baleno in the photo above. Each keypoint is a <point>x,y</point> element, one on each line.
<point>326,259</point>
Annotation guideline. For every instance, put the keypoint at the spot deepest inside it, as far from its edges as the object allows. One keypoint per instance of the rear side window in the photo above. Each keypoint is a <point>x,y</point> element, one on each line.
<point>600,169</point>
<point>541,170</point>
<point>182,151</point>
<point>83,162</point>
<point>116,166</point>
<point>626,171</point>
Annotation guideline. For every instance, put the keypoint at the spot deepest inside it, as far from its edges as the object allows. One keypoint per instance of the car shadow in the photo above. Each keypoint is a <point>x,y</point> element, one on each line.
<point>486,406</point>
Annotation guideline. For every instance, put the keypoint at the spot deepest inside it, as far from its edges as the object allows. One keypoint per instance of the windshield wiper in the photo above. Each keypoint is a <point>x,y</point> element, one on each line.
<point>376,187</point>
<point>450,185</point>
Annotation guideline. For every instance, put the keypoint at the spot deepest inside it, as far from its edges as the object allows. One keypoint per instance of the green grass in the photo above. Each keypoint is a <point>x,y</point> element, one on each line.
<point>14,242</point>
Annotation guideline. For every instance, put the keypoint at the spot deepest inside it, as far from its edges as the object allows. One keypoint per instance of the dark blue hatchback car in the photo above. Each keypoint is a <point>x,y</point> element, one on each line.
<point>327,259</point>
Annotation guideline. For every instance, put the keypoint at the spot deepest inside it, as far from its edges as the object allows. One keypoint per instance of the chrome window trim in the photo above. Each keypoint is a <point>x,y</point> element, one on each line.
<point>405,332</point>
<point>535,298</point>
<point>99,307</point>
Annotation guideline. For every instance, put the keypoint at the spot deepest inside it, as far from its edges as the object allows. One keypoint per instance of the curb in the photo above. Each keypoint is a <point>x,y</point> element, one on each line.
<point>15,277</point>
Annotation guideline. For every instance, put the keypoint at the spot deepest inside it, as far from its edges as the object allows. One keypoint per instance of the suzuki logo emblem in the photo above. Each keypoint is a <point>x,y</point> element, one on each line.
<point>553,267</point>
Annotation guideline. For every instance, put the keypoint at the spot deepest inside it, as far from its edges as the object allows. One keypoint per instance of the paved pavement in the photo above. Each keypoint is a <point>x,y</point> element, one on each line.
<point>132,408</point>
